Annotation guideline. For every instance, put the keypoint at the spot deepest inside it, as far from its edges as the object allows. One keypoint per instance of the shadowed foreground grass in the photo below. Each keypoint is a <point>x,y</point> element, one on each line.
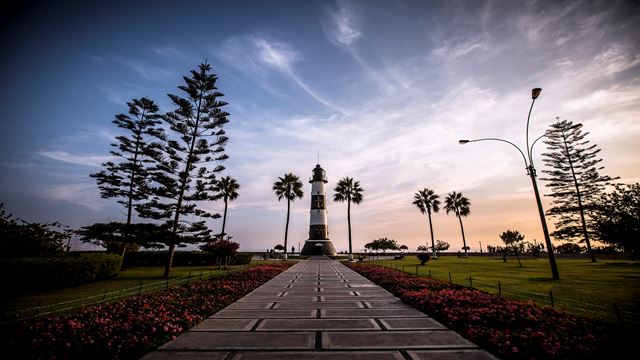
<point>585,288</point>
<point>132,278</point>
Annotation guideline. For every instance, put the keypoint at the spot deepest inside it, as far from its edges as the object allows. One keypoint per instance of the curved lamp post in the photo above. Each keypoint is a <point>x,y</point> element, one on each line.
<point>531,171</point>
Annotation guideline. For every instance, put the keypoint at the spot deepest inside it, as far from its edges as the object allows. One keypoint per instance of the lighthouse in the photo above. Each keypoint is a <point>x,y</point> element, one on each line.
<point>318,242</point>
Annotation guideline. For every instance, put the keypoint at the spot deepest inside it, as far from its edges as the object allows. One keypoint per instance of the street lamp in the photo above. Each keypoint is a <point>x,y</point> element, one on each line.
<point>531,171</point>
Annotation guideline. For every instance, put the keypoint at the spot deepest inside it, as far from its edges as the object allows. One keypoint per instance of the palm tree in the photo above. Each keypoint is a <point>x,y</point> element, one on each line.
<point>459,205</point>
<point>288,187</point>
<point>349,191</point>
<point>227,189</point>
<point>427,202</point>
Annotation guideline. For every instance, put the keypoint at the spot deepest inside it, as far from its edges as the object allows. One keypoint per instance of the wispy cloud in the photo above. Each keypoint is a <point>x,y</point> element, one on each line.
<point>83,160</point>
<point>258,55</point>
<point>455,50</point>
<point>145,70</point>
<point>342,29</point>
<point>83,194</point>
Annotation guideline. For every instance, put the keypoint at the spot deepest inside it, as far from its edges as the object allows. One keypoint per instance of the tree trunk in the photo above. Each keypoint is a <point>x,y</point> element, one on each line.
<point>518,257</point>
<point>433,244</point>
<point>286,229</point>
<point>167,268</point>
<point>224,218</point>
<point>585,233</point>
<point>464,241</point>
<point>504,256</point>
<point>131,182</point>
<point>349,224</point>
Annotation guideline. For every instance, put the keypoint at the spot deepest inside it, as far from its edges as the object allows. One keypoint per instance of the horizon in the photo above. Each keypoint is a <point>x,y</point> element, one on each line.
<point>383,91</point>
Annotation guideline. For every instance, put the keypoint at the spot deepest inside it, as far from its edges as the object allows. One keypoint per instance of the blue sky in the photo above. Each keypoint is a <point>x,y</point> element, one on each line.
<point>384,89</point>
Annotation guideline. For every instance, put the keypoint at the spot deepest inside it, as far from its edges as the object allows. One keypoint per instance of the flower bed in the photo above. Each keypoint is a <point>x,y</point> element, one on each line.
<point>130,328</point>
<point>509,329</point>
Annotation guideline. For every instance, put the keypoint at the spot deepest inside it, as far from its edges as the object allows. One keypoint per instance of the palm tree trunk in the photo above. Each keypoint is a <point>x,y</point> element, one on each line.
<point>433,244</point>
<point>464,241</point>
<point>224,218</point>
<point>349,224</point>
<point>286,228</point>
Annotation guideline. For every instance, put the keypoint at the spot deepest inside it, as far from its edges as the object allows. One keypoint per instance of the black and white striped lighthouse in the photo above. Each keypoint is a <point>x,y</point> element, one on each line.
<point>318,242</point>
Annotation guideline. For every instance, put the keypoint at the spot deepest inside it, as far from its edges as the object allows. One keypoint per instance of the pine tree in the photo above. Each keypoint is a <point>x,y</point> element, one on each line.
<point>574,180</point>
<point>128,179</point>
<point>185,174</point>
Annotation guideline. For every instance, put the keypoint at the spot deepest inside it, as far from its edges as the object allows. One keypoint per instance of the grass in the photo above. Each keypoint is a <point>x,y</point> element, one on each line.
<point>585,288</point>
<point>125,284</point>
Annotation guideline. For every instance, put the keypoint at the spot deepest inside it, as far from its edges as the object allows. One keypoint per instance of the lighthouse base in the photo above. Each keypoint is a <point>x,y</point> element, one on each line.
<point>318,247</point>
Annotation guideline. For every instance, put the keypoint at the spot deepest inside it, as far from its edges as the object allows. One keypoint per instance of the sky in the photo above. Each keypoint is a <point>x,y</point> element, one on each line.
<point>382,89</point>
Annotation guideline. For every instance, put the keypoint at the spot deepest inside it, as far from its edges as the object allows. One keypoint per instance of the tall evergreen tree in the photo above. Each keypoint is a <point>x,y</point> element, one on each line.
<point>227,190</point>
<point>288,187</point>
<point>426,200</point>
<point>351,192</point>
<point>574,180</point>
<point>459,205</point>
<point>128,179</point>
<point>185,173</point>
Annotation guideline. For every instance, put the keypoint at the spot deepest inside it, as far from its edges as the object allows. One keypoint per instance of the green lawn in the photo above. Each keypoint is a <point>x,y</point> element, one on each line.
<point>127,283</point>
<point>585,288</point>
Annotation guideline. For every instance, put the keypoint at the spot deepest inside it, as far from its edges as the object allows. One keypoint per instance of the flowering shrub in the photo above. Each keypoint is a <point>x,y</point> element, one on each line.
<point>130,328</point>
<point>510,329</point>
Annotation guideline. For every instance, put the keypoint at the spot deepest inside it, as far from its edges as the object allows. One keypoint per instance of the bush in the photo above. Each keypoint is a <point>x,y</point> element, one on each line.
<point>19,238</point>
<point>27,274</point>
<point>424,258</point>
<point>180,258</point>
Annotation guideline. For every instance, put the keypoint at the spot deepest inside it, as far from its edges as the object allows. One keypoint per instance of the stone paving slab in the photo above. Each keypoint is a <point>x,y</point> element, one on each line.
<point>326,355</point>
<point>290,305</point>
<point>200,340</point>
<point>319,310</point>
<point>318,324</point>
<point>225,325</point>
<point>393,340</point>
<point>451,355</point>
<point>265,314</point>
<point>370,313</point>
<point>186,355</point>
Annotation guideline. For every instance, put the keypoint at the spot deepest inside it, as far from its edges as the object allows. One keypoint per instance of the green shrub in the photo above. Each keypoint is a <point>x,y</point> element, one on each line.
<point>180,258</point>
<point>424,258</point>
<point>28,274</point>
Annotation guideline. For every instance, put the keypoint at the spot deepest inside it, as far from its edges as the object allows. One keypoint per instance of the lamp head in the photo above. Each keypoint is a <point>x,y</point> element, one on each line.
<point>535,93</point>
<point>462,142</point>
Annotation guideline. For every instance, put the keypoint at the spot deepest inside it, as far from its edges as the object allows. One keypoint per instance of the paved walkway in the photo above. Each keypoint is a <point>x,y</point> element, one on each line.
<point>319,309</point>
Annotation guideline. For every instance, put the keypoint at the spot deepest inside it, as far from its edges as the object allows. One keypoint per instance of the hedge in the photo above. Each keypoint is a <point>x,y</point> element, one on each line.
<point>180,258</point>
<point>28,274</point>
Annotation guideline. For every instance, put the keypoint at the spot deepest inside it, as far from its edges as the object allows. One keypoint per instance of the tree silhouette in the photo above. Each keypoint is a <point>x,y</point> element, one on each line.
<point>351,192</point>
<point>459,205</point>
<point>512,241</point>
<point>185,173</point>
<point>288,187</point>
<point>128,179</point>
<point>617,218</point>
<point>426,200</point>
<point>574,181</point>
<point>227,189</point>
